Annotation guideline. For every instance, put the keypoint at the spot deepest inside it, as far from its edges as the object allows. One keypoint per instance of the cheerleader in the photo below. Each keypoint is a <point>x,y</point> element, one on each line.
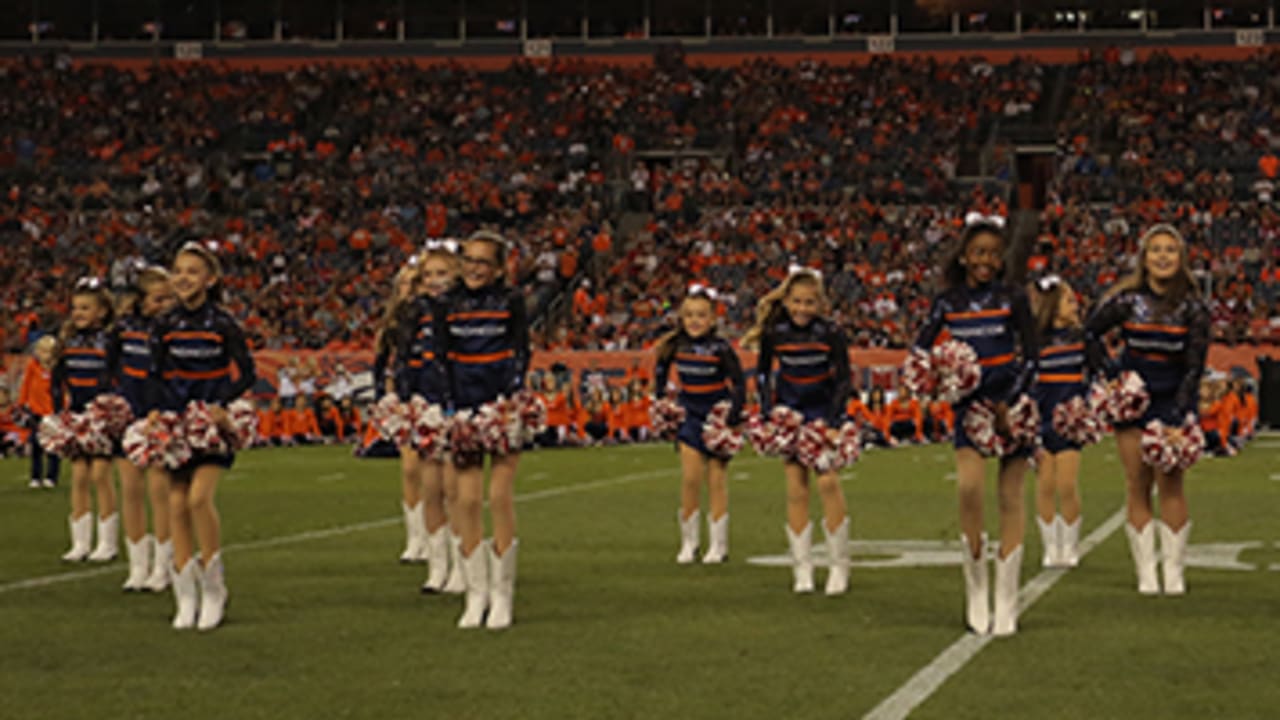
<point>813,378</point>
<point>82,372</point>
<point>149,555</point>
<point>393,335</point>
<point>1061,378</point>
<point>483,334</point>
<point>195,347</point>
<point>709,372</point>
<point>437,486</point>
<point>995,319</point>
<point>1164,328</point>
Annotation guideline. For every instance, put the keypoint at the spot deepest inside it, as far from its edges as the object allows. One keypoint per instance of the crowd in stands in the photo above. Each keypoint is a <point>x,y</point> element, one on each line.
<point>316,184</point>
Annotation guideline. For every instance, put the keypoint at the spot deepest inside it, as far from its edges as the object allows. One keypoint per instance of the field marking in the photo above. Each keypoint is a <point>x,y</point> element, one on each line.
<point>927,680</point>
<point>331,477</point>
<point>325,533</point>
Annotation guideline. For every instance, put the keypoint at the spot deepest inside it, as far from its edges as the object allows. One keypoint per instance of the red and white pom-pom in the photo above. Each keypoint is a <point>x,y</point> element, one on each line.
<point>1168,448</point>
<point>498,424</point>
<point>243,417</point>
<point>465,444</point>
<point>918,375</point>
<point>92,436</point>
<point>160,443</point>
<point>531,410</point>
<point>202,431</point>
<point>56,435</point>
<point>111,412</point>
<point>776,435</point>
<point>956,370</point>
<point>980,426</point>
<point>822,451</point>
<point>430,429</point>
<point>1024,422</point>
<point>1077,421</point>
<point>1127,398</point>
<point>390,417</point>
<point>721,439</point>
<point>666,416</point>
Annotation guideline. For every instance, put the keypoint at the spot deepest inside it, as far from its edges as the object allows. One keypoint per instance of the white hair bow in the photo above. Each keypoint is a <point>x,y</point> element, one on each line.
<point>704,290</point>
<point>448,245</point>
<point>977,218</point>
<point>796,269</point>
<point>1048,282</point>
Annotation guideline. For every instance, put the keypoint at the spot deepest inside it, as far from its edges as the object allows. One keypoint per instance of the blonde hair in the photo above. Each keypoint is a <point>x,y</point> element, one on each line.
<point>147,278</point>
<point>391,314</point>
<point>665,345</point>
<point>45,343</point>
<point>1183,282</point>
<point>769,309</point>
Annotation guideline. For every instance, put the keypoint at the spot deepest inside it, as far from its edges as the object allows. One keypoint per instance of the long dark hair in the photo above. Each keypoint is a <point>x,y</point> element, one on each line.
<point>954,272</point>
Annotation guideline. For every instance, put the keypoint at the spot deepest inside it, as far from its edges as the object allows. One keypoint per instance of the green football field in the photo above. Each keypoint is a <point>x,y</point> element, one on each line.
<point>323,621</point>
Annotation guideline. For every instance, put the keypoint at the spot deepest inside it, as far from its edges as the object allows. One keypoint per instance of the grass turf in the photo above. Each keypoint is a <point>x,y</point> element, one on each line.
<point>329,625</point>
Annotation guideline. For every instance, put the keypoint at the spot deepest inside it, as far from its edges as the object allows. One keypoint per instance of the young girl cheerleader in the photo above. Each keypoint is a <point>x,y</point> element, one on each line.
<point>392,336</point>
<point>1061,378</point>
<point>813,378</point>
<point>1164,327</point>
<point>200,354</point>
<point>995,320</point>
<point>436,485</point>
<point>35,397</point>
<point>709,372</point>
<point>82,371</point>
<point>149,555</point>
<point>483,334</point>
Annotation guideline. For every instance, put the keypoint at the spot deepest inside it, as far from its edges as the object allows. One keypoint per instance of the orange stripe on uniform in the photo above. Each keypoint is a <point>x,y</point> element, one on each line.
<point>1061,378</point>
<point>709,387</point>
<point>978,314</point>
<point>82,382</point>
<point>1154,357</point>
<point>197,374</point>
<point>798,380</point>
<point>1149,327</point>
<point>692,357</point>
<point>996,360</point>
<point>135,372</point>
<point>801,347</point>
<point>481,315</point>
<point>480,359</point>
<point>95,352</point>
<point>192,335</point>
<point>1059,349</point>
<point>134,335</point>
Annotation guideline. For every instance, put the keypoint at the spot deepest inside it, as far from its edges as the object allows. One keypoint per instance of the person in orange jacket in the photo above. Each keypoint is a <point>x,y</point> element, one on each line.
<point>906,419</point>
<point>619,427</point>
<point>351,420</point>
<point>878,418</point>
<point>638,410</point>
<point>35,399</point>
<point>267,423</point>
<point>329,419</point>
<point>559,419</point>
<point>12,434</point>
<point>273,420</point>
<point>941,422</point>
<point>1247,414</point>
<point>300,422</point>
<point>1229,416</point>
<point>1212,417</point>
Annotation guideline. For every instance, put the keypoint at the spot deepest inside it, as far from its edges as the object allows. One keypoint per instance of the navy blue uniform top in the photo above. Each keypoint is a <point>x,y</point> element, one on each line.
<point>131,355</point>
<point>194,351</point>
<point>708,371</point>
<point>484,338</point>
<point>813,369</point>
<point>83,369</point>
<point>1062,372</point>
<point>995,320</point>
<point>417,368</point>
<point>1167,347</point>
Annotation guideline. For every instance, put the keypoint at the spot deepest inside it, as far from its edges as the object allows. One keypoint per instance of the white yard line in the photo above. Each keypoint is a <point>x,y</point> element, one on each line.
<point>928,679</point>
<point>322,534</point>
